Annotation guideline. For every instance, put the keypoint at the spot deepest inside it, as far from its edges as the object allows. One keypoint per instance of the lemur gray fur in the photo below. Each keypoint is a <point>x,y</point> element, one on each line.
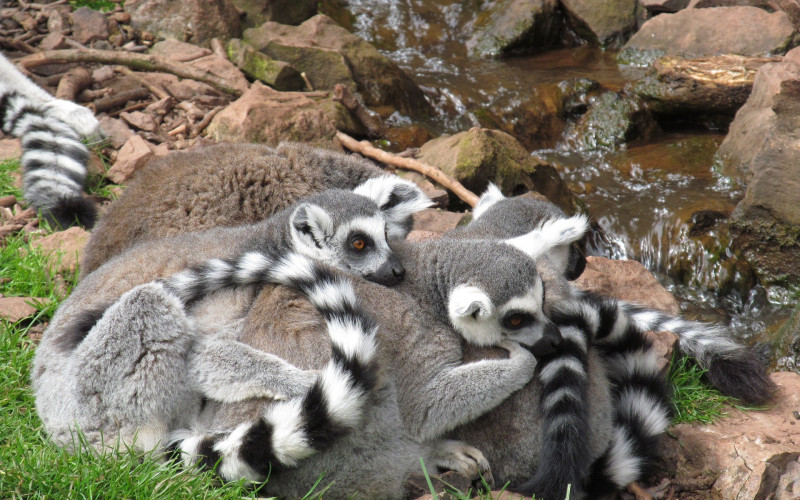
<point>53,156</point>
<point>733,368</point>
<point>143,386</point>
<point>219,185</point>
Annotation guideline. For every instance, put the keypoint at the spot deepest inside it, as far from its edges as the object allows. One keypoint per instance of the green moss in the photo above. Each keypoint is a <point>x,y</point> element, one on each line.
<point>101,5</point>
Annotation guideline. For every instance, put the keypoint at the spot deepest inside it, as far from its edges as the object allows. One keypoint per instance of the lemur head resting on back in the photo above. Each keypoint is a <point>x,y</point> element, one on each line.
<point>350,230</point>
<point>497,290</point>
<point>496,216</point>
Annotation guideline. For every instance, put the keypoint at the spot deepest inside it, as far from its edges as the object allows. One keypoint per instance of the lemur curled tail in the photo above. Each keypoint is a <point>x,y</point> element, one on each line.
<point>53,156</point>
<point>289,431</point>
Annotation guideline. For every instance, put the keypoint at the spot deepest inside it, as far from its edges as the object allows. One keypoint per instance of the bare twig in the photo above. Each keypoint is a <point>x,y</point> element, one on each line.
<point>205,121</point>
<point>308,82</point>
<point>157,90</point>
<point>39,6</point>
<point>178,130</point>
<point>217,48</point>
<point>118,100</point>
<point>144,62</point>
<point>73,82</point>
<point>89,95</point>
<point>366,149</point>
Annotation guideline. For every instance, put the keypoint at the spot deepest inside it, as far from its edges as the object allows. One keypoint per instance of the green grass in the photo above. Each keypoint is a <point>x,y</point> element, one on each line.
<point>101,5</point>
<point>7,180</point>
<point>32,467</point>
<point>693,399</point>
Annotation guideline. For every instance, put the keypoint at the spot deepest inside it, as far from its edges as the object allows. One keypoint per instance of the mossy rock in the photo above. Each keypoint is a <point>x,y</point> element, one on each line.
<point>258,66</point>
<point>612,120</point>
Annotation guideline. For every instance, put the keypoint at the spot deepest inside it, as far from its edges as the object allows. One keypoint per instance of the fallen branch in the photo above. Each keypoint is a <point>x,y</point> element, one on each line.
<point>157,90</point>
<point>205,121</point>
<point>144,62</point>
<point>73,82</point>
<point>366,149</point>
<point>121,99</point>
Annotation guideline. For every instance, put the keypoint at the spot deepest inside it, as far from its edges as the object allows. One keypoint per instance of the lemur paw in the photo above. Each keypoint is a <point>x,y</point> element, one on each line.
<point>81,119</point>
<point>464,459</point>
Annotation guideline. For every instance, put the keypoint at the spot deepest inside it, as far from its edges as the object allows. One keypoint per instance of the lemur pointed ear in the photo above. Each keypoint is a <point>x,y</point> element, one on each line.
<point>551,235</point>
<point>311,225</point>
<point>397,198</point>
<point>469,301</point>
<point>489,197</point>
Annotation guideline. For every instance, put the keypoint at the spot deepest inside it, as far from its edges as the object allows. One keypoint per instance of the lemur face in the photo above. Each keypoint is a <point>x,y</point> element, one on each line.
<point>482,321</point>
<point>350,230</point>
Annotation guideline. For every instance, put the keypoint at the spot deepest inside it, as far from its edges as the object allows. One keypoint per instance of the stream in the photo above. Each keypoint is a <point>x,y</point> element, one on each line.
<point>642,195</point>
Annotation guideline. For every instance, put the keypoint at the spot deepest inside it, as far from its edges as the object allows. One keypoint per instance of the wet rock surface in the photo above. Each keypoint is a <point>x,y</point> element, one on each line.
<point>762,150</point>
<point>516,26</point>
<point>605,22</point>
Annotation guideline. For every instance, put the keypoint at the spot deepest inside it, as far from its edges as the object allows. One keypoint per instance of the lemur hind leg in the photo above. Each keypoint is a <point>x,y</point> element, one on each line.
<point>131,369</point>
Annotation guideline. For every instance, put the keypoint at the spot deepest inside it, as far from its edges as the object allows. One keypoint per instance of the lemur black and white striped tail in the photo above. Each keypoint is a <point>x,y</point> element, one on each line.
<point>53,161</point>
<point>289,431</point>
<point>734,369</point>
<point>641,397</point>
<point>564,457</point>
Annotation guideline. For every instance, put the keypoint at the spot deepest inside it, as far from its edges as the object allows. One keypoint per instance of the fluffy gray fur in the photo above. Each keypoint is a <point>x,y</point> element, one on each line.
<point>67,395</point>
<point>220,185</point>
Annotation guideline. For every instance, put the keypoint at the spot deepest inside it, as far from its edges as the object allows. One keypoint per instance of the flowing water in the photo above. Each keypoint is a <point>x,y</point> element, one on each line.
<point>643,196</point>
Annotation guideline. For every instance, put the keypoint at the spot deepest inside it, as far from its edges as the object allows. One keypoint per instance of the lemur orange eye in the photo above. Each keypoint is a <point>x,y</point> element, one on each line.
<point>515,320</point>
<point>359,244</point>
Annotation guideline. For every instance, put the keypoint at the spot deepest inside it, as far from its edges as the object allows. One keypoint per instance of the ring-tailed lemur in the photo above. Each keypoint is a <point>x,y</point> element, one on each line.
<point>219,185</point>
<point>53,156</point>
<point>731,367</point>
<point>341,228</point>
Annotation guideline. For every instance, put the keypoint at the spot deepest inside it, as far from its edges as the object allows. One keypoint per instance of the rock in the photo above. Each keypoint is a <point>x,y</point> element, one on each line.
<point>132,156</point>
<point>54,40</point>
<point>626,280</point>
<point>513,26</point>
<point>762,151</point>
<point>329,55</point>
<point>418,235</point>
<point>436,221</point>
<point>604,22</point>
<point>744,455</point>
<point>792,10</point>
<point>258,66</point>
<point>659,6</point>
<point>705,4</point>
<point>612,120</point>
<point>537,120</point>
<point>13,309</point>
<point>280,11</point>
<point>196,21</point>
<point>10,148</point>
<point>715,85</point>
<point>88,25</point>
<point>116,131</point>
<point>480,156</point>
<point>268,116</point>
<point>64,247</point>
<point>137,119</point>
<point>786,343</point>
<point>202,59</point>
<point>746,31</point>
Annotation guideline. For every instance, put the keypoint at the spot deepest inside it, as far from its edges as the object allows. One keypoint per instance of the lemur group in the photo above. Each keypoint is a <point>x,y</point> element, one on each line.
<point>259,312</point>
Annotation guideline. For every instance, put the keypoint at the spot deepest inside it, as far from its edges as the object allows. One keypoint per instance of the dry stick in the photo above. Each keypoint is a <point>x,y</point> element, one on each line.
<point>118,100</point>
<point>366,149</point>
<point>144,62</point>
<point>157,90</point>
<point>218,49</point>
<point>205,121</point>
<point>73,82</point>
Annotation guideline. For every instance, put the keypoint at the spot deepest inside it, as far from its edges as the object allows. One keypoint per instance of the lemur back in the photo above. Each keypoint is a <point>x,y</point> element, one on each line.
<point>341,228</point>
<point>219,185</point>
<point>53,156</point>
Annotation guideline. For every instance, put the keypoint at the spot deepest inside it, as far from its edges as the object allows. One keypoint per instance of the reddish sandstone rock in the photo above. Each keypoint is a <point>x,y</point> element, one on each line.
<point>64,247</point>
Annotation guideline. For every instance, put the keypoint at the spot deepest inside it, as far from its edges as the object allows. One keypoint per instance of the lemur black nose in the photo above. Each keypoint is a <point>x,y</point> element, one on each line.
<point>549,343</point>
<point>399,271</point>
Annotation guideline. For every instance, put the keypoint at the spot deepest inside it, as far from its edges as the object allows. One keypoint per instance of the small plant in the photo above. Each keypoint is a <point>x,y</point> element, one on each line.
<point>101,5</point>
<point>693,399</point>
<point>7,178</point>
